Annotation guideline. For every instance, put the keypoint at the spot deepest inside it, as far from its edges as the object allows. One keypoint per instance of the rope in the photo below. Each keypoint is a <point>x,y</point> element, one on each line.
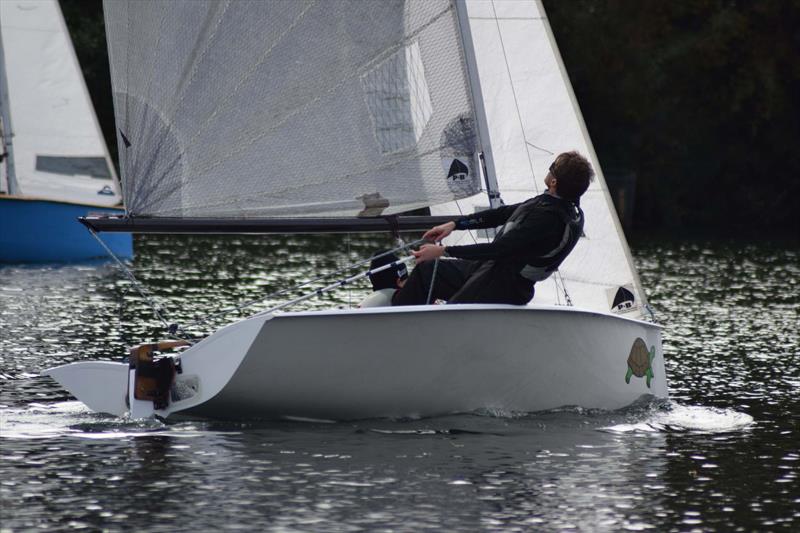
<point>349,290</point>
<point>433,280</point>
<point>557,274</point>
<point>338,284</point>
<point>175,329</point>
<point>304,284</point>
<point>158,310</point>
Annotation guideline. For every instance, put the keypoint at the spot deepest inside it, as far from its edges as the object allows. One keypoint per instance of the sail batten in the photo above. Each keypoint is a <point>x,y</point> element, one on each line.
<point>259,109</point>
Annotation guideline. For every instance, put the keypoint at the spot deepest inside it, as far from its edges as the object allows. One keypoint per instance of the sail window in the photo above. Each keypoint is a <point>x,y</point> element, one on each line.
<point>95,167</point>
<point>398,99</point>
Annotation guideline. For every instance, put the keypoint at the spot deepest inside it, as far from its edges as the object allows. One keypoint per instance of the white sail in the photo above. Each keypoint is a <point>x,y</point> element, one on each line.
<point>269,108</point>
<point>533,116</point>
<point>59,151</point>
<point>320,107</point>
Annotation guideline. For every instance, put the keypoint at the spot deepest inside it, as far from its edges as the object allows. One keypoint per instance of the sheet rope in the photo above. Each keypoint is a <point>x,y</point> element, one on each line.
<point>175,329</point>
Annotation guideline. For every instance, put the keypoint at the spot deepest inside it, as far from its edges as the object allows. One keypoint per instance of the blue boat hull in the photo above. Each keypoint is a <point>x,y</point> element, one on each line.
<point>46,231</point>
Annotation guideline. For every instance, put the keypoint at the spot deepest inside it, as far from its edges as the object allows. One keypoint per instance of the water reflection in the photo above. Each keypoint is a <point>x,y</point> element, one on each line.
<point>722,455</point>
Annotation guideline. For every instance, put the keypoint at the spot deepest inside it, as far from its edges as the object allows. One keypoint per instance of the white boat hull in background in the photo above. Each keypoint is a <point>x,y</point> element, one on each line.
<point>407,362</point>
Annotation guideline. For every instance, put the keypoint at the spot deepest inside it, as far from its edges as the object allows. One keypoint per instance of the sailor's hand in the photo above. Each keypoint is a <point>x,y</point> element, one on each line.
<point>437,233</point>
<point>428,252</point>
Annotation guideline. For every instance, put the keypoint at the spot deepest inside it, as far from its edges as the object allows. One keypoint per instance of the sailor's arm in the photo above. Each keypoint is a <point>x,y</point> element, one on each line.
<point>490,218</point>
<point>536,233</point>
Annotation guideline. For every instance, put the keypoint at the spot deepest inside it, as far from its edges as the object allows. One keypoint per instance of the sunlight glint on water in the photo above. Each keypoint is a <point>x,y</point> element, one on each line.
<point>731,341</point>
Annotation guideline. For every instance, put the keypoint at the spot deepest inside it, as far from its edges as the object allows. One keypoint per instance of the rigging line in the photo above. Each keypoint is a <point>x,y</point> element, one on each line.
<point>340,283</point>
<point>516,101</point>
<point>281,292</point>
<point>158,310</point>
<point>558,290</point>
<point>433,280</point>
<point>349,290</point>
<point>564,288</point>
<point>540,148</point>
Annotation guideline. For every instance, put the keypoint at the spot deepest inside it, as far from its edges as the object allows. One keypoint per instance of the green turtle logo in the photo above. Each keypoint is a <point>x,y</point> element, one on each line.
<point>640,361</point>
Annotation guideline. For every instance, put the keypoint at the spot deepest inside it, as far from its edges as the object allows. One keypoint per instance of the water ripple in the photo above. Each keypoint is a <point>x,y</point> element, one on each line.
<point>720,455</point>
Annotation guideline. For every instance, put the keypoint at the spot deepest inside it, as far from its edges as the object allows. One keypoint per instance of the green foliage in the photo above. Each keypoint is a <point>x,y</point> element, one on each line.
<point>698,97</point>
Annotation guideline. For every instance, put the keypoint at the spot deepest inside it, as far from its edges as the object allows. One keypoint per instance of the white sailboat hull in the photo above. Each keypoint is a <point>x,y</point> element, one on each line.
<point>413,362</point>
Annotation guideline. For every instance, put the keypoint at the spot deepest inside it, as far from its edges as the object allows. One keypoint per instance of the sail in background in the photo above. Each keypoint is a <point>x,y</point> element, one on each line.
<point>242,109</point>
<point>59,151</point>
<point>533,116</point>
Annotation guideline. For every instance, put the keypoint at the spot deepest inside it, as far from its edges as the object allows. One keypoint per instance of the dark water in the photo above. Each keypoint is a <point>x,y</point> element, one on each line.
<point>721,455</point>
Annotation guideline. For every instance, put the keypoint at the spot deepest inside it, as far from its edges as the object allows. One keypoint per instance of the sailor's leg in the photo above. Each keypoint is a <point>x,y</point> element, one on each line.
<point>494,283</point>
<point>450,276</point>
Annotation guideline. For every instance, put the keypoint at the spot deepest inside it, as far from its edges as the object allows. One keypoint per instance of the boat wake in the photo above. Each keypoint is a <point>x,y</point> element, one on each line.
<point>74,419</point>
<point>671,417</point>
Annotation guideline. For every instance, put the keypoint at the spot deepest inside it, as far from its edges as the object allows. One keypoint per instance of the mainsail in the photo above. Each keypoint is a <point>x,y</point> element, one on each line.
<point>246,109</point>
<point>533,116</point>
<point>232,110</point>
<point>59,152</point>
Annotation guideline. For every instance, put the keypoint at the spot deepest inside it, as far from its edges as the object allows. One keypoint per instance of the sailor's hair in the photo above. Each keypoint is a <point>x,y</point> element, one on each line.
<point>573,173</point>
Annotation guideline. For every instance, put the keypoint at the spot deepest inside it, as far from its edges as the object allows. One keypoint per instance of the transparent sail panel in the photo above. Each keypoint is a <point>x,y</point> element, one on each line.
<point>532,117</point>
<point>246,109</point>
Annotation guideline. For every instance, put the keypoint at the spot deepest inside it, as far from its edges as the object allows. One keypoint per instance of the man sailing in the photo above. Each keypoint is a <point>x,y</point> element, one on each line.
<point>537,235</point>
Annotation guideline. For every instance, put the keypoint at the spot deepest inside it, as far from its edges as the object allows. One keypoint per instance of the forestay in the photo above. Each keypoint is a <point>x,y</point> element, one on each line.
<point>245,109</point>
<point>59,151</point>
<point>532,116</point>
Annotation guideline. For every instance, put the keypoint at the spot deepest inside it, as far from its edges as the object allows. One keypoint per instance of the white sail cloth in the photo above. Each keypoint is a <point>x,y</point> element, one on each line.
<point>533,116</point>
<point>241,109</point>
<point>58,149</point>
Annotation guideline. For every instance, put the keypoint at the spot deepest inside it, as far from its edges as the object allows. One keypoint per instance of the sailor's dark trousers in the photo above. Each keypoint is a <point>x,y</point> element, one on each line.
<point>460,281</point>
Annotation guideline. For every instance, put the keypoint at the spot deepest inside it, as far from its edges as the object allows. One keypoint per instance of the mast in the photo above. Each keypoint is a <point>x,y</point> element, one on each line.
<point>485,160</point>
<point>6,132</point>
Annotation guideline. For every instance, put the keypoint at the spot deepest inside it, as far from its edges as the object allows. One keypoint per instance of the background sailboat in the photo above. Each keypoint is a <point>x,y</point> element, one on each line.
<point>336,109</point>
<point>56,166</point>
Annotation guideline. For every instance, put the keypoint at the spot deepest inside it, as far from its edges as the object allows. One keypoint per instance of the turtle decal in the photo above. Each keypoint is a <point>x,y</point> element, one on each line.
<point>640,361</point>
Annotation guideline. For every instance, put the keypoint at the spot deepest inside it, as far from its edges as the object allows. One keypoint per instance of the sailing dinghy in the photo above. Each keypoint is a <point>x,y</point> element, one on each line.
<point>339,116</point>
<point>55,166</point>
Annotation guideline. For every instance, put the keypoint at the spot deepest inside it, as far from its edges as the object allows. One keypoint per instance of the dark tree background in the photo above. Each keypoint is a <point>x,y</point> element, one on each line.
<point>700,99</point>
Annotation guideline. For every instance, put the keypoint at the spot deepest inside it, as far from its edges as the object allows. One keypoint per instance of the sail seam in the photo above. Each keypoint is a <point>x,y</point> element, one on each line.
<point>279,193</point>
<point>193,72</point>
<point>250,139</point>
<point>170,191</point>
<point>246,140</point>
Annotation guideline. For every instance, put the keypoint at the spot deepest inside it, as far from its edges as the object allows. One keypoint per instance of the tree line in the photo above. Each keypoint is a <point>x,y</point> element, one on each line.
<point>698,99</point>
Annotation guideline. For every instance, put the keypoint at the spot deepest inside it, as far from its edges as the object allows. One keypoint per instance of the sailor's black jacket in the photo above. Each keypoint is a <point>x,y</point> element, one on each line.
<point>535,238</point>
